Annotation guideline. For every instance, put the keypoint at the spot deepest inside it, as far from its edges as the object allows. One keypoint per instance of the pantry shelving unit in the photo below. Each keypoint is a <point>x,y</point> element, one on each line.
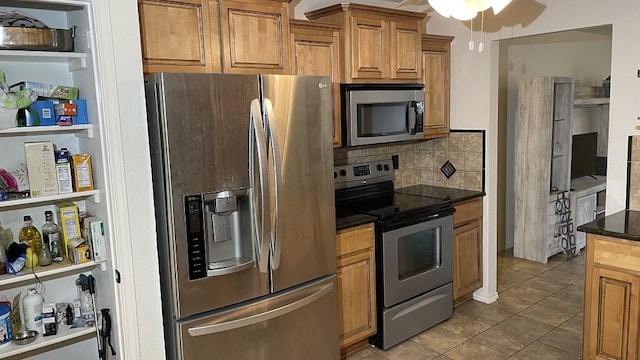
<point>79,69</point>
<point>54,270</point>
<point>65,335</point>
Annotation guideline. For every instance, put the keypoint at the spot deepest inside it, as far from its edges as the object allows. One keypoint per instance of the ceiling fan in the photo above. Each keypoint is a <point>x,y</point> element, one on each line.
<point>458,9</point>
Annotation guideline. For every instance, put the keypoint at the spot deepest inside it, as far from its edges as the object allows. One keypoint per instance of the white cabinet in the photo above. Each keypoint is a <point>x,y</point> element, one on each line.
<point>99,86</point>
<point>587,203</point>
<point>542,162</point>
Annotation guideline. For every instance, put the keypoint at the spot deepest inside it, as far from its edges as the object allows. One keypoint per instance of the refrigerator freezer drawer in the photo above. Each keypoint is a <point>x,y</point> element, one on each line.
<point>298,324</point>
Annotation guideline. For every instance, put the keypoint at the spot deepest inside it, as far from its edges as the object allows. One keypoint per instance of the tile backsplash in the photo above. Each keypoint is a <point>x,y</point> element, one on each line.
<point>420,162</point>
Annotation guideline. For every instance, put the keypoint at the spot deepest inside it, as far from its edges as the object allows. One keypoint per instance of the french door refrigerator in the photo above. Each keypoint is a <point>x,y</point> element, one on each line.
<point>242,176</point>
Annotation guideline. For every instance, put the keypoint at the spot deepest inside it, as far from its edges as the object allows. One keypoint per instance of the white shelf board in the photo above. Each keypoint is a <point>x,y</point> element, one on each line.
<point>589,102</point>
<point>41,56</point>
<point>44,272</point>
<point>50,199</point>
<point>87,129</point>
<point>65,334</point>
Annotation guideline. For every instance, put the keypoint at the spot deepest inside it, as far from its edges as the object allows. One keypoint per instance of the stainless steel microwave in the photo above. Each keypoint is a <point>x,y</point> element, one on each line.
<point>381,113</point>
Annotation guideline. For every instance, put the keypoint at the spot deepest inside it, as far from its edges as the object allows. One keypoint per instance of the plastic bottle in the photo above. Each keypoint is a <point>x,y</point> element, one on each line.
<point>51,234</point>
<point>31,259</point>
<point>32,310</point>
<point>30,235</point>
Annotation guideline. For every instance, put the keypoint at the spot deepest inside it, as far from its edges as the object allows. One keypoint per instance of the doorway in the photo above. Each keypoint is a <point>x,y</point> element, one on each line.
<point>582,54</point>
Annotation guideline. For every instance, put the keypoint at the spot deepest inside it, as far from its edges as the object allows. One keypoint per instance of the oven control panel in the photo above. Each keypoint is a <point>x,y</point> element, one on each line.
<point>351,175</point>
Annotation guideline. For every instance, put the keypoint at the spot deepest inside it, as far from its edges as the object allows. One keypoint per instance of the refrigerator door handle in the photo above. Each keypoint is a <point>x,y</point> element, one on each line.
<point>275,157</point>
<point>260,317</point>
<point>257,145</point>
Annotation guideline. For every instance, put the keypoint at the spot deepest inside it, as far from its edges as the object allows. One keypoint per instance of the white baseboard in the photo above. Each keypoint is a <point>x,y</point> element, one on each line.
<point>485,297</point>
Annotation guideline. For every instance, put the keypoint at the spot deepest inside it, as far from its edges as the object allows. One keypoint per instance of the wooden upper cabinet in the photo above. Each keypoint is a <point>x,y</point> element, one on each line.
<point>405,54</point>
<point>255,37</point>
<point>369,48</point>
<point>436,69</point>
<point>176,36</point>
<point>378,44</point>
<point>315,51</point>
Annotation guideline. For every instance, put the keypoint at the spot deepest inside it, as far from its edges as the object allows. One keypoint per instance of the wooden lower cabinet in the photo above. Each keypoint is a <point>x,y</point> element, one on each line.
<point>612,299</point>
<point>467,249</point>
<point>356,285</point>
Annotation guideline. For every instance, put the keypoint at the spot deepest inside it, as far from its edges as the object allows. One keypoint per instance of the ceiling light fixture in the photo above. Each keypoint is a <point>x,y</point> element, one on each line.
<point>466,9</point>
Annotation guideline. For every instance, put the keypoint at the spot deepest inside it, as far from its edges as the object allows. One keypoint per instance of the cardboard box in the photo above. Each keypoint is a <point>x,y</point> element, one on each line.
<point>93,232</point>
<point>69,219</point>
<point>82,172</point>
<point>48,90</point>
<point>63,171</point>
<point>81,112</point>
<point>65,108</point>
<point>79,252</point>
<point>41,168</point>
<point>40,113</point>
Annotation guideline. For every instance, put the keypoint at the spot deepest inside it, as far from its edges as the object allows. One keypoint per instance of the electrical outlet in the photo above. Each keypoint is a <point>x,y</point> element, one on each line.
<point>396,161</point>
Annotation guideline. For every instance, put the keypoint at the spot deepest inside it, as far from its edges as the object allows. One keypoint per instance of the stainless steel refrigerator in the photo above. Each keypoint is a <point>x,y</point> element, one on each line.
<point>242,176</point>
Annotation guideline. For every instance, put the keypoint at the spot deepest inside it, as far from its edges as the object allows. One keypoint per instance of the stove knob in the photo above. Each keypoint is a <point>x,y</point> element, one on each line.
<point>343,172</point>
<point>335,175</point>
<point>379,167</point>
<point>386,168</point>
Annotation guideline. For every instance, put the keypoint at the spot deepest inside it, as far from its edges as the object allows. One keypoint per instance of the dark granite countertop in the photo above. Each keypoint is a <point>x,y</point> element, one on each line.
<point>344,221</point>
<point>624,225</point>
<point>452,194</point>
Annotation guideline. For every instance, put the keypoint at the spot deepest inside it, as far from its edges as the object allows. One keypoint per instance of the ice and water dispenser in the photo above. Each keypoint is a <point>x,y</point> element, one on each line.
<point>220,235</point>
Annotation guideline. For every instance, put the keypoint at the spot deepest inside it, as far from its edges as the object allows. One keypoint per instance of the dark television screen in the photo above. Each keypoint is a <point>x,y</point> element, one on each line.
<point>583,155</point>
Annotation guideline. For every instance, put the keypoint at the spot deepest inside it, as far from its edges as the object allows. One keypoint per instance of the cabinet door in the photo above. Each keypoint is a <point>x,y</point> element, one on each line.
<point>435,67</point>
<point>611,315</point>
<point>404,49</point>
<point>356,296</point>
<point>176,36</point>
<point>369,49</point>
<point>467,252</point>
<point>319,55</point>
<point>255,38</point>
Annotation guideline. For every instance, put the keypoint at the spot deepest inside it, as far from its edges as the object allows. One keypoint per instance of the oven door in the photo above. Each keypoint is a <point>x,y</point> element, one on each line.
<point>416,258</point>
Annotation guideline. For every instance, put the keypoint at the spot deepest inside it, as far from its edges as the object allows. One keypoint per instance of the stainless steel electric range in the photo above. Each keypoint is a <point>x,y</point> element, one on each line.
<point>413,245</point>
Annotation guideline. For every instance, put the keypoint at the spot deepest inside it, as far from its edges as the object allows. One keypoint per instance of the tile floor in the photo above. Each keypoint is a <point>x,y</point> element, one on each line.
<point>538,317</point>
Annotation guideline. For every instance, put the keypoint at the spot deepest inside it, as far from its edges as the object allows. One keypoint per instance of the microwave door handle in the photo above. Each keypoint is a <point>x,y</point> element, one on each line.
<point>411,117</point>
<point>269,115</point>
<point>257,147</point>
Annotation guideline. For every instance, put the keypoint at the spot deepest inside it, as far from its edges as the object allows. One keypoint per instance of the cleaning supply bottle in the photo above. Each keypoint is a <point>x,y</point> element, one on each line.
<point>32,310</point>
